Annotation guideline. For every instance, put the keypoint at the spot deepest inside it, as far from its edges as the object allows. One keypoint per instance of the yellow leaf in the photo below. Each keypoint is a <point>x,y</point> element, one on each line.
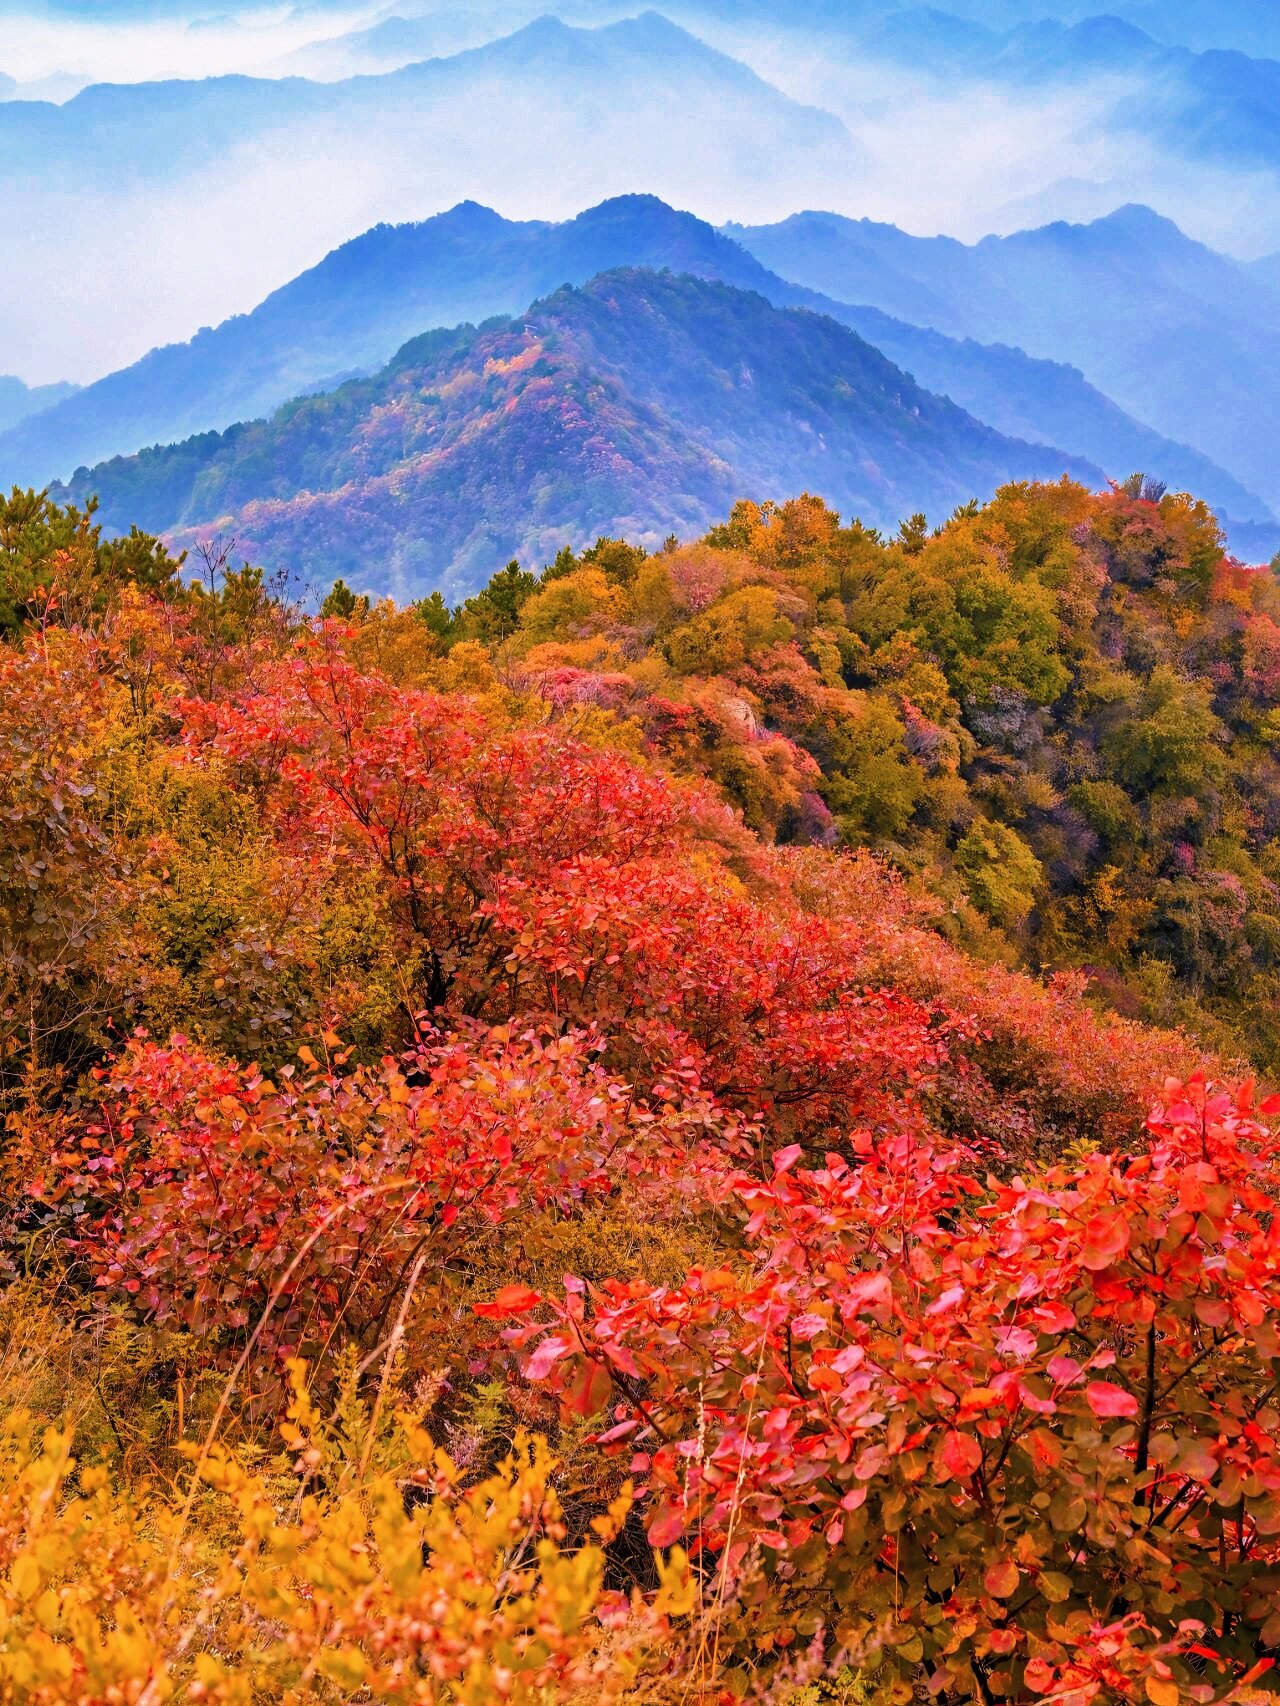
<point>24,1576</point>
<point>678,1593</point>
<point>346,1666</point>
<point>980,1398</point>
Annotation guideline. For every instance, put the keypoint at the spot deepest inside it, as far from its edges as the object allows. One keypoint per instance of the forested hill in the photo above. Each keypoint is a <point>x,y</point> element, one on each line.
<point>586,1029</point>
<point>354,310</point>
<point>642,403</point>
<point>1173,331</point>
<point>1057,713</point>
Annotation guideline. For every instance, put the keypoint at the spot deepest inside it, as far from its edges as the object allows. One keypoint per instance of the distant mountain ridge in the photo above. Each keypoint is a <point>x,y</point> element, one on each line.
<point>367,298</point>
<point>1252,26</point>
<point>282,169</point>
<point>19,402</point>
<point>640,403</point>
<point>161,127</point>
<point>1248,26</point>
<point>1208,102</point>
<point>1176,333</point>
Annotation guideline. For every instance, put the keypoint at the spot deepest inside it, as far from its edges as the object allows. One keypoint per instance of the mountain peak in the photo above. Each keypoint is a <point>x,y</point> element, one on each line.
<point>655,27</point>
<point>650,31</point>
<point>1111,33</point>
<point>1133,222</point>
<point>546,27</point>
<point>637,208</point>
<point>646,231</point>
<point>1137,216</point>
<point>1087,38</point>
<point>472,216</point>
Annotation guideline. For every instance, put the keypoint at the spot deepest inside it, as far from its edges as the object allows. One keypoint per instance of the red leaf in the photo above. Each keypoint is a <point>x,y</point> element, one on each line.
<point>546,1356</point>
<point>959,1455</point>
<point>511,1300</point>
<point>1108,1400</point>
<point>666,1527</point>
<point>589,1390</point>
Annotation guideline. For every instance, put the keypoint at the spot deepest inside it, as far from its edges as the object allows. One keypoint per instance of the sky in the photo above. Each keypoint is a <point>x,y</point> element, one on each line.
<point>115,41</point>
<point>156,256</point>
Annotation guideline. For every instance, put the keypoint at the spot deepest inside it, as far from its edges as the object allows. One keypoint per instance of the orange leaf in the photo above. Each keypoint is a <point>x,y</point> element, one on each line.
<point>511,1300</point>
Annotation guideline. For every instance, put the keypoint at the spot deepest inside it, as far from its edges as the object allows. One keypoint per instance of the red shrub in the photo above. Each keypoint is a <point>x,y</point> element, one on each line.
<point>1027,1429</point>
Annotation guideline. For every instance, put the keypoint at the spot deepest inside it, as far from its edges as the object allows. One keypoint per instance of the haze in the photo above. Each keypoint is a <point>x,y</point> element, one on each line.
<point>932,150</point>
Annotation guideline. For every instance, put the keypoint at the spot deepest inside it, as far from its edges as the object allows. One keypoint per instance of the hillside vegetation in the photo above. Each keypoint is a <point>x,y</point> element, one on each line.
<point>532,1171</point>
<point>1143,309</point>
<point>642,402</point>
<point>1057,713</point>
<point>352,312</point>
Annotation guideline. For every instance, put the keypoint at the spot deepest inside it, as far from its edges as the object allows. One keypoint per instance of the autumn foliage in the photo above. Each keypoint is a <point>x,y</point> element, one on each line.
<point>510,1194</point>
<point>1020,1431</point>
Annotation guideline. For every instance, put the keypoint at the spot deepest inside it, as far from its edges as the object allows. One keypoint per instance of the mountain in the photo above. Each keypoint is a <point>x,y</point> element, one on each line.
<point>365,300</point>
<point>395,41</point>
<point>1252,26</point>
<point>161,129</point>
<point>641,403</point>
<point>18,402</point>
<point>1176,333</point>
<point>58,86</point>
<point>1052,403</point>
<point>235,184</point>
<point>1249,25</point>
<point>1217,105</point>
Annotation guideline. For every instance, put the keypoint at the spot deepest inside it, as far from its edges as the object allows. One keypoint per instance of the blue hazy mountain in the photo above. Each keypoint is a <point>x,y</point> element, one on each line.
<point>1216,104</point>
<point>18,402</point>
<point>641,66</point>
<point>234,184</point>
<point>641,402</point>
<point>1249,26</point>
<point>1177,334</point>
<point>367,298</point>
<point>1252,26</point>
<point>393,41</point>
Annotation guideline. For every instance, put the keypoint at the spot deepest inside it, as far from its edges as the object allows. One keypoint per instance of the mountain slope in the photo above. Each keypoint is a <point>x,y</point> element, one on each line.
<point>370,296</point>
<point>641,403</point>
<point>159,129</point>
<point>1213,102</point>
<point>1175,332</point>
<point>283,169</point>
<point>18,402</point>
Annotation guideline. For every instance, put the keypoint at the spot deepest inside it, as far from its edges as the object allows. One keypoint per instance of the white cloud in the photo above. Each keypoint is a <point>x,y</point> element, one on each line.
<point>36,45</point>
<point>95,278</point>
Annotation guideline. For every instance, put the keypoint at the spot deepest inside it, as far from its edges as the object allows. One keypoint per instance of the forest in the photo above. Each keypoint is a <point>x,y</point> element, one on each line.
<point>693,1128</point>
